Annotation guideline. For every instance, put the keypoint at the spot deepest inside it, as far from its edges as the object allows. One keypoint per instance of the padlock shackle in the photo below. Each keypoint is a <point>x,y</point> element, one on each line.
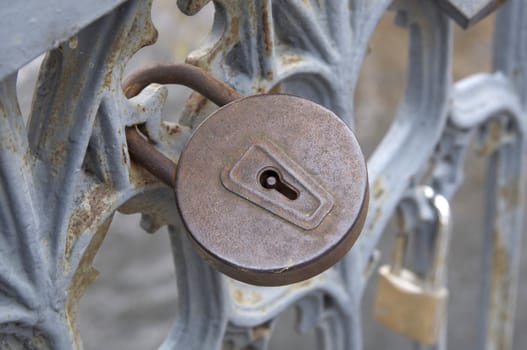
<point>145,154</point>
<point>437,275</point>
<point>140,149</point>
<point>426,196</point>
<point>399,246</point>
<point>181,74</point>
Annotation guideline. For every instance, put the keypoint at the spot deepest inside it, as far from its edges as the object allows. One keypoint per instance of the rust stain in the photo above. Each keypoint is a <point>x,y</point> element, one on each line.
<point>113,55</point>
<point>8,143</point>
<point>195,106</point>
<point>498,4</point>
<point>250,297</point>
<point>27,159</point>
<point>58,158</point>
<point>171,128</point>
<point>378,189</point>
<point>266,28</point>
<point>73,42</point>
<point>74,85</point>
<point>237,295</point>
<point>376,217</point>
<point>290,59</point>
<point>139,176</point>
<point>372,263</point>
<point>301,285</point>
<point>252,10</point>
<point>492,140</point>
<point>86,215</point>
<point>85,275</point>
<point>191,7</point>
<point>124,154</point>
<point>197,103</point>
<point>224,43</point>
<point>276,89</point>
<point>142,33</point>
<point>499,297</point>
<point>510,194</point>
<point>234,31</point>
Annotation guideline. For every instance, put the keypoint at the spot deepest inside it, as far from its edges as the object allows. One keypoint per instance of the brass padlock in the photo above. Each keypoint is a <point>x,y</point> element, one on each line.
<point>409,305</point>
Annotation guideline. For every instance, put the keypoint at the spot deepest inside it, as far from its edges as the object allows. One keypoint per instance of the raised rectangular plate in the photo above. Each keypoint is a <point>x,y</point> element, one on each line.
<point>242,178</point>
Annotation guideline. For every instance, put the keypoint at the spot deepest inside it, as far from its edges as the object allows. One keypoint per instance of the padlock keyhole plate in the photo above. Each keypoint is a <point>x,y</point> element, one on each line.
<point>271,180</point>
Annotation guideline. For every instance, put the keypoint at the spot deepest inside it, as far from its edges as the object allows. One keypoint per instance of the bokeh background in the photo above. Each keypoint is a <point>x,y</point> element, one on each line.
<point>133,303</point>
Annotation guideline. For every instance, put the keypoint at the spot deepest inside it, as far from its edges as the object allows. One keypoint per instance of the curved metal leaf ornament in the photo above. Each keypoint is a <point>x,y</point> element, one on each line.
<point>64,177</point>
<point>315,50</point>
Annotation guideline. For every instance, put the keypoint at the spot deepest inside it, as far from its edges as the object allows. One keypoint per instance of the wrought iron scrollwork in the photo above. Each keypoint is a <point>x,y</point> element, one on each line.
<point>65,173</point>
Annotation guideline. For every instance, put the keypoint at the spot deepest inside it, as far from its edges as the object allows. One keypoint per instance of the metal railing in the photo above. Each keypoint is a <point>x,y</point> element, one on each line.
<point>65,172</point>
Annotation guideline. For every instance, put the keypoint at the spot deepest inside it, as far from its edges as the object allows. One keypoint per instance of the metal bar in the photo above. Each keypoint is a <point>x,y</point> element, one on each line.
<point>505,191</point>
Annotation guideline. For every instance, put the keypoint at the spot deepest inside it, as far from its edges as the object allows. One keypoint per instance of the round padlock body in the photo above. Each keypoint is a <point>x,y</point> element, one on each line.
<point>273,189</point>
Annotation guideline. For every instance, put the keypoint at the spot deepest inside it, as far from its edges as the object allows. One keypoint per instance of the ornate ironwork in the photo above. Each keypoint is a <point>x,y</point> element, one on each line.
<point>65,173</point>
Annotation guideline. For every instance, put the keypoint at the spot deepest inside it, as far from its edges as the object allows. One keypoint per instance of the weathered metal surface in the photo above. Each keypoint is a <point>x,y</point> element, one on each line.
<point>468,12</point>
<point>257,233</point>
<point>32,27</point>
<point>506,174</point>
<point>62,180</point>
<point>57,197</point>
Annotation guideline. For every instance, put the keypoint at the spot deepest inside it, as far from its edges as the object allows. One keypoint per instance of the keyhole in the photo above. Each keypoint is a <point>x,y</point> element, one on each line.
<point>270,179</point>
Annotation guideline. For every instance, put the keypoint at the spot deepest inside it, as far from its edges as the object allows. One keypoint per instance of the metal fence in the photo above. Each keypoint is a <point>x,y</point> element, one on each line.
<point>67,170</point>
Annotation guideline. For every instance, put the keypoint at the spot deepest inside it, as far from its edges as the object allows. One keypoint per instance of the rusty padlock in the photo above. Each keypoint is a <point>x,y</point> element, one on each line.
<point>273,189</point>
<point>409,305</point>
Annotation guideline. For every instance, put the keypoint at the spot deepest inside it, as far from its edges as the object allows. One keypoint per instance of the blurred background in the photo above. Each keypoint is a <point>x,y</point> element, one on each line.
<point>133,304</point>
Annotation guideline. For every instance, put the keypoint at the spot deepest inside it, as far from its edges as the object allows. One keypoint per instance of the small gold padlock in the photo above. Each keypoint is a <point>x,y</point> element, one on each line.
<point>412,306</point>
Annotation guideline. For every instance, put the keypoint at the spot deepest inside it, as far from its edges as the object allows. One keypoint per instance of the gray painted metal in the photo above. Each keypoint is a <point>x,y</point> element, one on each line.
<point>469,12</point>
<point>64,174</point>
<point>31,27</point>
